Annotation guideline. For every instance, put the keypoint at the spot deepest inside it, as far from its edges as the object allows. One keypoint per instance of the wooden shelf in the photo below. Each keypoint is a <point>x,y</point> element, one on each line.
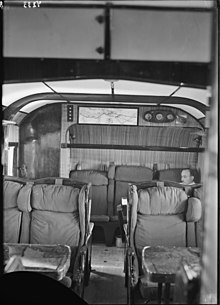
<point>133,147</point>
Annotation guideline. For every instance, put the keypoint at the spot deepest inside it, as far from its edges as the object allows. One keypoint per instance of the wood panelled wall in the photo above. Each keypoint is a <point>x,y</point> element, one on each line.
<point>146,134</point>
<point>133,135</point>
<point>43,155</point>
<point>99,159</point>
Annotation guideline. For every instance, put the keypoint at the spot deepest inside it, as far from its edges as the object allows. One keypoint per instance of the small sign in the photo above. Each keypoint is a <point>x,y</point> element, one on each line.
<point>124,201</point>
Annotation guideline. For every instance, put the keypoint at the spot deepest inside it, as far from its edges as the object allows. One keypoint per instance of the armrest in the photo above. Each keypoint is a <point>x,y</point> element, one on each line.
<point>194,210</point>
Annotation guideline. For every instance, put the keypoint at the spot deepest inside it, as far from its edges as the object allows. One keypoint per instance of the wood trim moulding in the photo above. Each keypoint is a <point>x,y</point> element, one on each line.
<point>133,147</point>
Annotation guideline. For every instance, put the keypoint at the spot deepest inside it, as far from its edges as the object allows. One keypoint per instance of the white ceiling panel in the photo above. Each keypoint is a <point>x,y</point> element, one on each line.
<point>14,92</point>
<point>52,33</point>
<point>161,35</point>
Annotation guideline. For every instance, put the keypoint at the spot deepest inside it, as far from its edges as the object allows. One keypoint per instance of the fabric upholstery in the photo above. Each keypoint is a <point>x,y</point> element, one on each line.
<point>160,230</point>
<point>58,198</point>
<point>162,200</point>
<point>110,196</point>
<point>111,171</point>
<point>133,173</point>
<point>174,174</point>
<point>99,200</point>
<point>161,216</point>
<point>128,174</point>
<point>25,228</point>
<point>24,198</point>
<point>47,213</point>
<point>11,214</point>
<point>99,189</point>
<point>191,234</point>
<point>198,193</point>
<point>12,224</point>
<point>86,176</point>
<point>11,191</point>
<point>54,228</point>
<point>194,210</point>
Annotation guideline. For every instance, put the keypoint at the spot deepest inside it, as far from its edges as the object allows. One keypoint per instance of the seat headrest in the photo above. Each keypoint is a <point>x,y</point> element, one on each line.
<point>86,176</point>
<point>132,173</point>
<point>11,191</point>
<point>162,200</point>
<point>57,198</point>
<point>174,174</point>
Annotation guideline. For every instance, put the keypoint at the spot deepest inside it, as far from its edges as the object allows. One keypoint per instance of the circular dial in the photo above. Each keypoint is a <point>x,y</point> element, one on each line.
<point>159,116</point>
<point>148,116</point>
<point>170,116</point>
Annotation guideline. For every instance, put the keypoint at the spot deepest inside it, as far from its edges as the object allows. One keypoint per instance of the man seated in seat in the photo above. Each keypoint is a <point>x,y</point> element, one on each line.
<point>187,176</point>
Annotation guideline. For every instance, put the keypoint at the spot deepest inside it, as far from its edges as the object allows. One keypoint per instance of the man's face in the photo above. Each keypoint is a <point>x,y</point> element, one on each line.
<point>186,178</point>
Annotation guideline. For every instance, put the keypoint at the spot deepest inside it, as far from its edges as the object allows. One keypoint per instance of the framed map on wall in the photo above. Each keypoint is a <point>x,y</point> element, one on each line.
<point>108,116</point>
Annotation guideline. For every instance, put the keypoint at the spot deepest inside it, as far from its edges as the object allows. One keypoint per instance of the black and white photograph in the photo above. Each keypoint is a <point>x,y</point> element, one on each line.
<point>109,152</point>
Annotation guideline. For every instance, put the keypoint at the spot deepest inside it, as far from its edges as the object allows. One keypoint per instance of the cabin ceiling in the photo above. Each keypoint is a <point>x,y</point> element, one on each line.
<point>150,48</point>
<point>163,43</point>
<point>26,97</point>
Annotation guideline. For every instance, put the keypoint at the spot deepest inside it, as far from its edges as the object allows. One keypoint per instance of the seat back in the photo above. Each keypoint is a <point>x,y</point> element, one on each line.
<point>60,213</point>
<point>16,215</point>
<point>101,191</point>
<point>161,215</point>
<point>174,174</point>
<point>11,213</point>
<point>124,175</point>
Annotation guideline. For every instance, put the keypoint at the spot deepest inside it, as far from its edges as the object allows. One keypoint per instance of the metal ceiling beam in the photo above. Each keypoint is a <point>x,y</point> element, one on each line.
<point>103,4</point>
<point>11,110</point>
<point>192,74</point>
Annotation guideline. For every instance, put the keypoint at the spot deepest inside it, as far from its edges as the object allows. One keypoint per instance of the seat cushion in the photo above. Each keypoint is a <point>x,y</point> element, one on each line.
<point>162,230</point>
<point>54,228</point>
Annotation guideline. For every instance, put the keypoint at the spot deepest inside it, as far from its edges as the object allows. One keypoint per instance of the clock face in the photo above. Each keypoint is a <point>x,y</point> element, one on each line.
<point>159,116</point>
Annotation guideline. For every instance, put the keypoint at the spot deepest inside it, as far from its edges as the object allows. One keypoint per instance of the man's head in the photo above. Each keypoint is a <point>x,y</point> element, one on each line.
<point>187,176</point>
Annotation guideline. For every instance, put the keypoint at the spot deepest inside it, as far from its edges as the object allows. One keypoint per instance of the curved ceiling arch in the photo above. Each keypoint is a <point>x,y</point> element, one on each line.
<point>16,106</point>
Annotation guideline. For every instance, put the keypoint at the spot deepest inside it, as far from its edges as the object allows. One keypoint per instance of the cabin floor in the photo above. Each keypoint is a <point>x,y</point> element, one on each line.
<point>107,279</point>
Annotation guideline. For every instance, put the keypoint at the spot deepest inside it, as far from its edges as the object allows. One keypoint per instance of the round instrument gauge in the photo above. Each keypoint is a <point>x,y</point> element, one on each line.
<point>148,116</point>
<point>170,117</point>
<point>159,116</point>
